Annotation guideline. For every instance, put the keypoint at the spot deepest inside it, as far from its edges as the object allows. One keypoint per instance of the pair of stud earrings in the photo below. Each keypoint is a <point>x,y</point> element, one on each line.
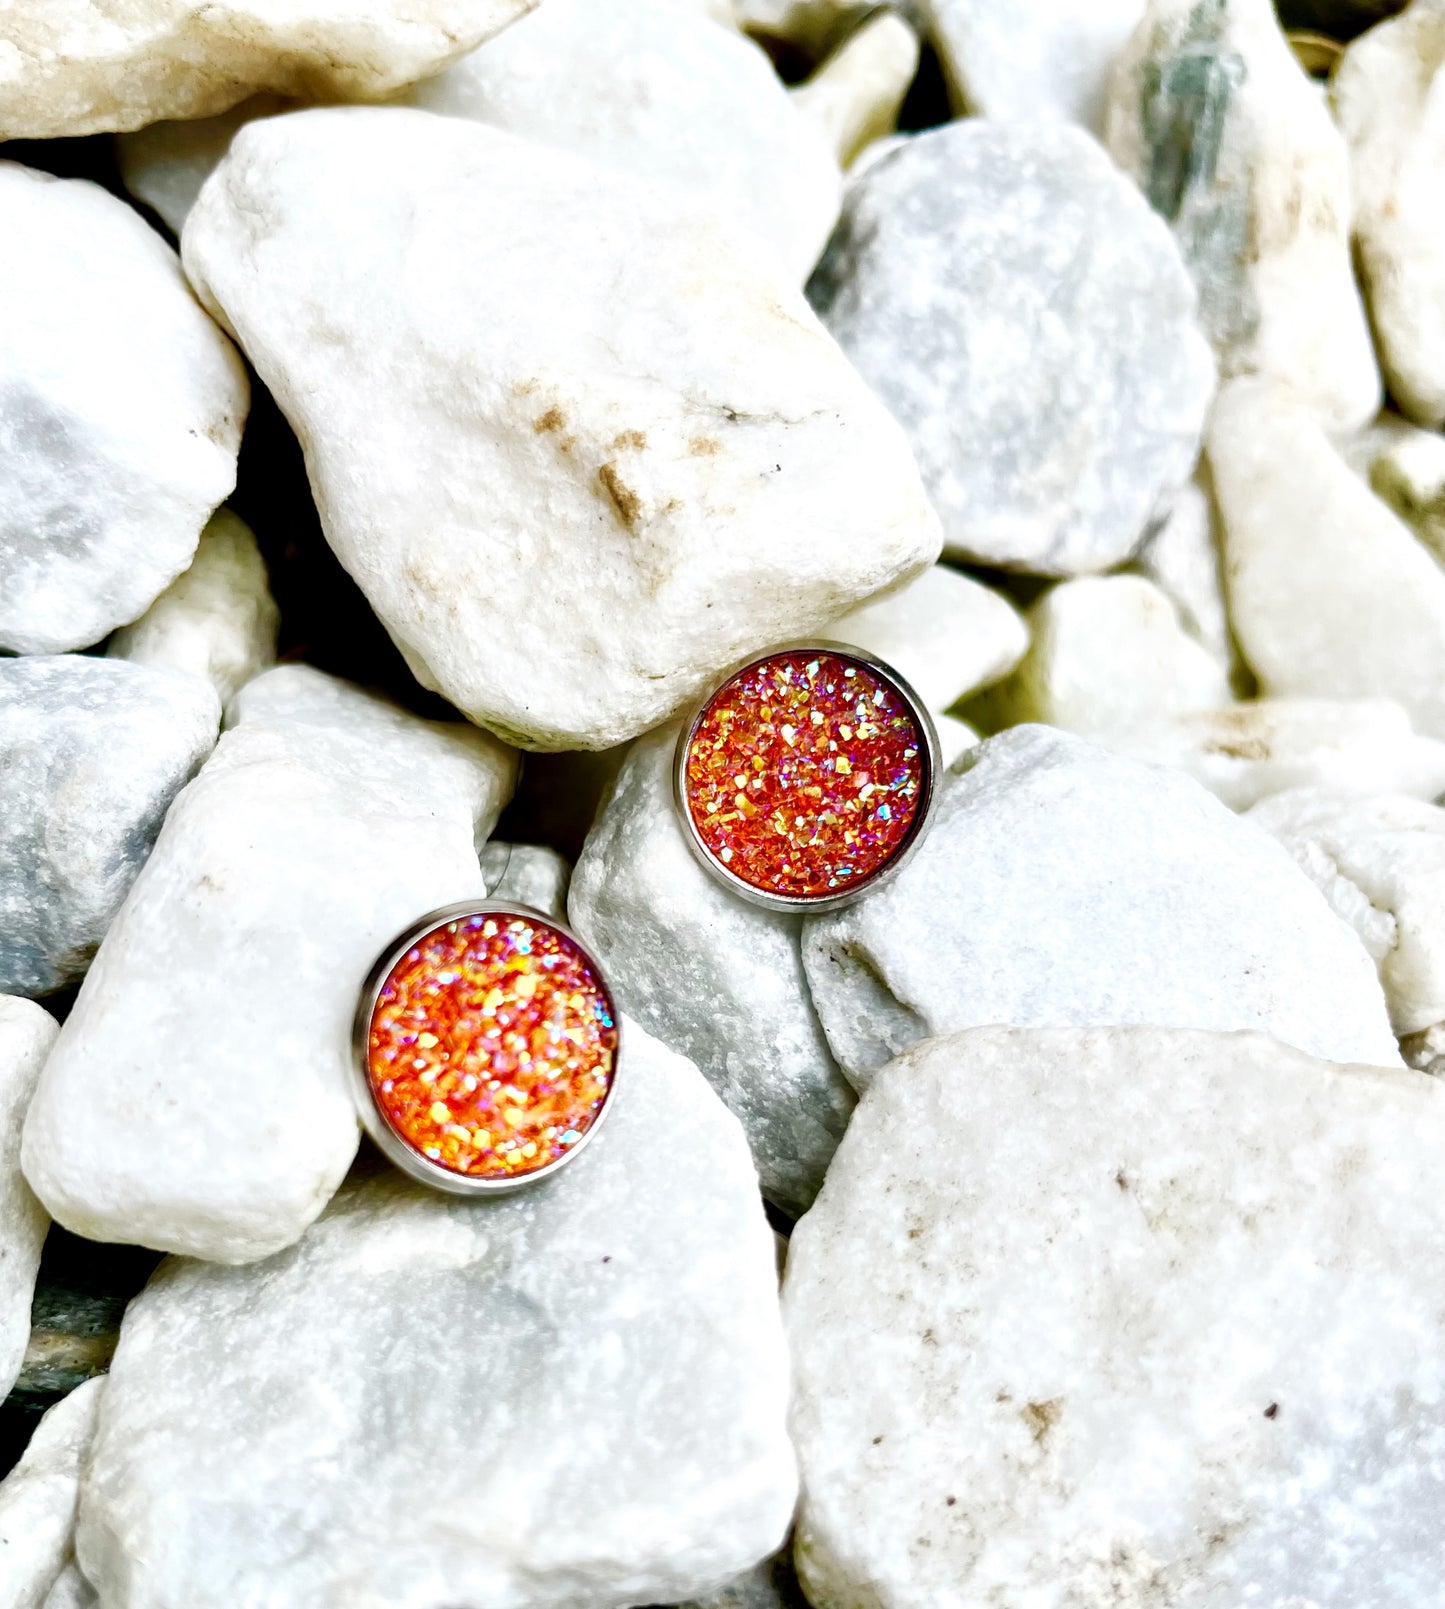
<point>486,1039</point>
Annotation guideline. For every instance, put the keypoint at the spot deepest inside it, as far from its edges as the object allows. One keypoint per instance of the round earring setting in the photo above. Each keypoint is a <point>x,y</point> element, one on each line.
<point>805,778</point>
<point>485,1048</point>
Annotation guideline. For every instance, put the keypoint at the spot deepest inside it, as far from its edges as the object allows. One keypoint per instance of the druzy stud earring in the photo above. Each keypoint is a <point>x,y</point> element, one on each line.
<point>804,780</point>
<point>485,1048</point>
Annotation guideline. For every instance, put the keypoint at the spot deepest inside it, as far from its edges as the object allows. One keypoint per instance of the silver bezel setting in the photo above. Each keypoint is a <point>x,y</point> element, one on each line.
<point>932,765</point>
<point>399,1151</point>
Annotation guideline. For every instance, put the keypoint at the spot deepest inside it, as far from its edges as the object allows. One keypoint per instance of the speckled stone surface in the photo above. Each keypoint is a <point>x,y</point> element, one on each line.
<point>605,1346</point>
<point>1125,1318</point>
<point>1031,324</point>
<point>37,1500</point>
<point>26,1036</point>
<point>92,752</point>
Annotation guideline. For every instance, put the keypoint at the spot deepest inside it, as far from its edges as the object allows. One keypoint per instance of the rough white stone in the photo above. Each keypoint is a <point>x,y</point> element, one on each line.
<point>582,378</point>
<point>121,407</point>
<point>216,620</point>
<point>680,101</point>
<point>423,1384</point>
<point>1409,474</point>
<point>71,1590</point>
<point>26,1035</point>
<point>76,67</point>
<point>1330,594</point>
<point>1389,100</point>
<point>92,753</point>
<point>946,633</point>
<point>716,978</point>
<point>1124,1317</point>
<point>37,1500</point>
<point>1181,557</point>
<point>1107,654</point>
<point>1247,752</point>
<point>856,95</point>
<point>1031,60</point>
<point>1029,322</point>
<point>528,874</point>
<point>1380,862</point>
<point>1232,144</point>
<point>198,1097</point>
<point>1063,886</point>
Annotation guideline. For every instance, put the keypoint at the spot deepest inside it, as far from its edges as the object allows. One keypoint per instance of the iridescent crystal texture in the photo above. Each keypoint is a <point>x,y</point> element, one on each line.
<point>492,1045</point>
<point>804,774</point>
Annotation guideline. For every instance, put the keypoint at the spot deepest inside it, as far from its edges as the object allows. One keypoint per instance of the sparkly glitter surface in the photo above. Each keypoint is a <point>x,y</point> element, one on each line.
<point>804,773</point>
<point>491,1045</point>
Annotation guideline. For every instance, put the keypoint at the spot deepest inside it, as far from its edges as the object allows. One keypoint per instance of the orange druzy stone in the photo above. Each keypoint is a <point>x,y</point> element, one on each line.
<point>492,1045</point>
<point>804,773</point>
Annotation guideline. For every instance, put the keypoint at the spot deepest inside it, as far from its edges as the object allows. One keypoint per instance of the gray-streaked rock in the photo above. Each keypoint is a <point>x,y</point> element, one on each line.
<point>1388,95</point>
<point>1380,863</point>
<point>1247,752</point>
<point>716,978</point>
<point>198,1099</point>
<point>527,874</point>
<point>1108,654</point>
<point>81,69</point>
<point>854,98</point>
<point>1181,557</point>
<point>947,634</point>
<point>1124,1317</point>
<point>1212,115</point>
<point>1330,594</point>
<point>658,415</point>
<point>216,620</point>
<point>121,407</point>
<point>37,1500</point>
<point>423,1384</point>
<point>682,102</point>
<point>72,1590</point>
<point>92,752</point>
<point>1029,322</point>
<point>26,1035</point>
<point>1063,886</point>
<point>1031,60</point>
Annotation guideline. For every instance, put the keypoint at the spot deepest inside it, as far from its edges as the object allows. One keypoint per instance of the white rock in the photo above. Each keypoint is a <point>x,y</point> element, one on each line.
<point>1232,144</point>
<point>1409,474</point>
<point>198,1097</point>
<point>1389,100</point>
<point>1031,60</point>
<point>217,620</point>
<point>955,737</point>
<point>423,1385</point>
<point>814,26</point>
<point>92,753</point>
<point>1330,594</point>
<point>121,407</point>
<point>527,874</point>
<point>1247,752</point>
<point>71,1591</point>
<point>1106,654</point>
<point>856,95</point>
<point>1124,1317</point>
<point>947,634</point>
<point>1380,863</point>
<point>1181,557</point>
<point>1063,886</point>
<point>583,378</point>
<point>73,67</point>
<point>681,101</point>
<point>1028,320</point>
<point>37,1500</point>
<point>26,1035</point>
<point>717,979</point>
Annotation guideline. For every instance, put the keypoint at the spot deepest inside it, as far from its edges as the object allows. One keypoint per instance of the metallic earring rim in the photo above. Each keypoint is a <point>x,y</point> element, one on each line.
<point>802,905</point>
<point>399,1151</point>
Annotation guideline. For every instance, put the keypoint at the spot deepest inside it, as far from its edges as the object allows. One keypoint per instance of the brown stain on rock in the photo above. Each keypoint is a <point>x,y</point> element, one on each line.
<point>1041,1417</point>
<point>553,419</point>
<point>704,446</point>
<point>633,440</point>
<point>626,501</point>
